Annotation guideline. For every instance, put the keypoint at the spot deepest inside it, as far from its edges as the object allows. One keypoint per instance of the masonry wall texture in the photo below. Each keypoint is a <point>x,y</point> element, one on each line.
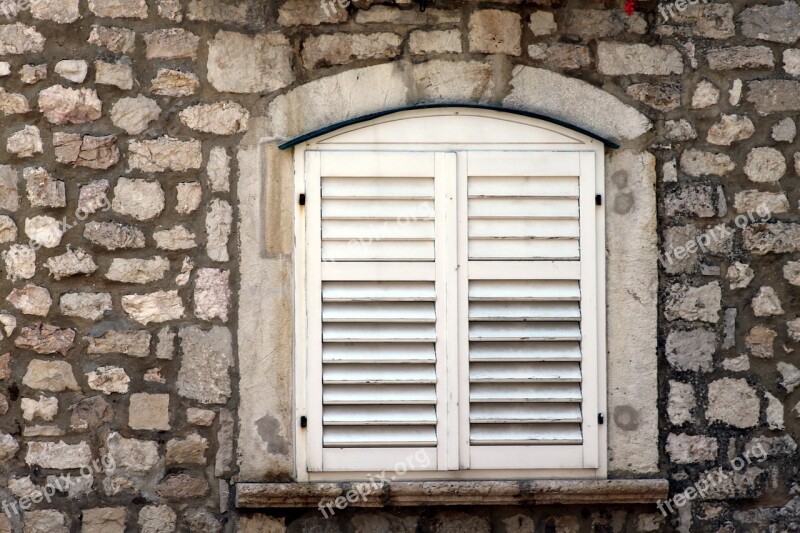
<point>119,127</point>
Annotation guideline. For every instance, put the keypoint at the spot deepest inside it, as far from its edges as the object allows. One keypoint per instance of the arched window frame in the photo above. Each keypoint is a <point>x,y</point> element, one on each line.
<point>470,130</point>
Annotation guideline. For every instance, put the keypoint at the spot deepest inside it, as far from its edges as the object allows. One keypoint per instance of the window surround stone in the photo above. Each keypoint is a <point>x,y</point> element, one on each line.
<point>267,420</point>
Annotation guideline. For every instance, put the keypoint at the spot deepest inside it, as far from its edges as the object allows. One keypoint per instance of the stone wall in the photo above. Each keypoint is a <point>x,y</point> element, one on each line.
<point>120,154</point>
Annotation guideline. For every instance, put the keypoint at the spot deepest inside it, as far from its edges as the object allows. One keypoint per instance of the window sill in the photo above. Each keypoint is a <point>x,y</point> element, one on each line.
<point>428,493</point>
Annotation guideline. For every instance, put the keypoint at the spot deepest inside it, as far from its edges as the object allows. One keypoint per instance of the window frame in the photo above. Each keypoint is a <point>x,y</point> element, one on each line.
<point>490,139</point>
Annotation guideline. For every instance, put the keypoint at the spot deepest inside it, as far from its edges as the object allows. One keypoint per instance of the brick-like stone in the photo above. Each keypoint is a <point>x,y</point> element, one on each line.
<point>212,294</point>
<point>42,189</point>
<point>688,449</point>
<point>115,40</point>
<point>119,75</point>
<point>705,20</point>
<point>103,520</point>
<point>221,118</point>
<point>164,154</point>
<point>18,39</point>
<point>175,238</point>
<point>119,8</point>
<point>561,55</point>
<point>170,82</point>
<point>740,57</point>
<point>86,305</point>
<point>691,349</point>
<point>53,376</point>
<point>435,42</point>
<point>71,263</point>
<point>341,48</point>
<point>61,105</point>
<point>688,303</point>
<point>192,449</point>
<point>114,236</point>
<point>149,412</point>
<point>751,201</point>
<point>159,306</point>
<point>86,151</point>
<point>171,43</point>
<point>108,380</point>
<point>157,519</point>
<point>135,343</point>
<point>25,143</point>
<point>759,341</point>
<point>705,95</point>
<point>730,129</point>
<point>58,455</point>
<point>239,63</point>
<point>493,31</point>
<point>681,402</point>
<point>134,115</point>
<point>142,271</point>
<point>618,59</point>
<point>774,96</point>
<point>698,163</point>
<point>207,357</point>
<point>219,221</point>
<point>733,402</point>
<point>139,199</point>
<point>777,23</point>
<point>9,188</point>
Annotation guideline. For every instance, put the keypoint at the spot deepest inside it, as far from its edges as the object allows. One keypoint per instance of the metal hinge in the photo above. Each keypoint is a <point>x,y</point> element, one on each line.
<point>600,419</point>
<point>303,422</point>
<point>598,199</point>
<point>302,199</point>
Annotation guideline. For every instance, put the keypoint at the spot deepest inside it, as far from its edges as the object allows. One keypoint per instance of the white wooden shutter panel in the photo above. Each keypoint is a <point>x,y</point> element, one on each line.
<point>376,322</point>
<point>531,318</point>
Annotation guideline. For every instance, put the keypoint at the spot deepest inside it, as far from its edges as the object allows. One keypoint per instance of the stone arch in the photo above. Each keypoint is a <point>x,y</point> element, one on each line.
<point>267,204</point>
<point>367,90</point>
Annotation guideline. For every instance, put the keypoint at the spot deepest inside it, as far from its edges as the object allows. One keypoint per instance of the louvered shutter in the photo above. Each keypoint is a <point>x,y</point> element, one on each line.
<point>528,223</point>
<point>377,324</point>
<point>451,306</point>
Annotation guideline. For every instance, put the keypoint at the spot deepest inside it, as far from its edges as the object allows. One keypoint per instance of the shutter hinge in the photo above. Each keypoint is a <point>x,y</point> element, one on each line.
<point>303,422</point>
<point>600,418</point>
<point>302,199</point>
<point>598,199</point>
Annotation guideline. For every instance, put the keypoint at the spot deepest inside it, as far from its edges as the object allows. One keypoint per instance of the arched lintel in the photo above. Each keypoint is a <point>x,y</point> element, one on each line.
<point>373,116</point>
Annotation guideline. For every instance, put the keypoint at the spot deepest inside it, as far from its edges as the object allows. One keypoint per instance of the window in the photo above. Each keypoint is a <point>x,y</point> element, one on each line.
<point>449,299</point>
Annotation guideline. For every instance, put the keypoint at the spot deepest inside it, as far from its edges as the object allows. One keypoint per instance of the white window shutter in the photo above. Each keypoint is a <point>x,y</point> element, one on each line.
<point>531,316</point>
<point>376,323</point>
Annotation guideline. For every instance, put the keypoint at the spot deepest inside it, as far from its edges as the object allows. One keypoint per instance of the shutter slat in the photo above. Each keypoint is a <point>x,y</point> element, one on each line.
<point>378,312</point>
<point>495,229</point>
<point>371,210</point>
<point>515,372</point>
<point>378,374</point>
<point>513,331</point>
<point>499,413</point>
<point>533,208</point>
<point>397,291</point>
<point>379,394</point>
<point>527,311</point>
<point>524,351</point>
<point>517,186</point>
<point>377,250</point>
<point>377,188</point>
<point>511,249</point>
<point>524,392</point>
<point>378,332</point>
<point>524,290</point>
<point>378,353</point>
<point>379,415</point>
<point>508,434</point>
<point>378,436</point>
<point>384,230</point>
